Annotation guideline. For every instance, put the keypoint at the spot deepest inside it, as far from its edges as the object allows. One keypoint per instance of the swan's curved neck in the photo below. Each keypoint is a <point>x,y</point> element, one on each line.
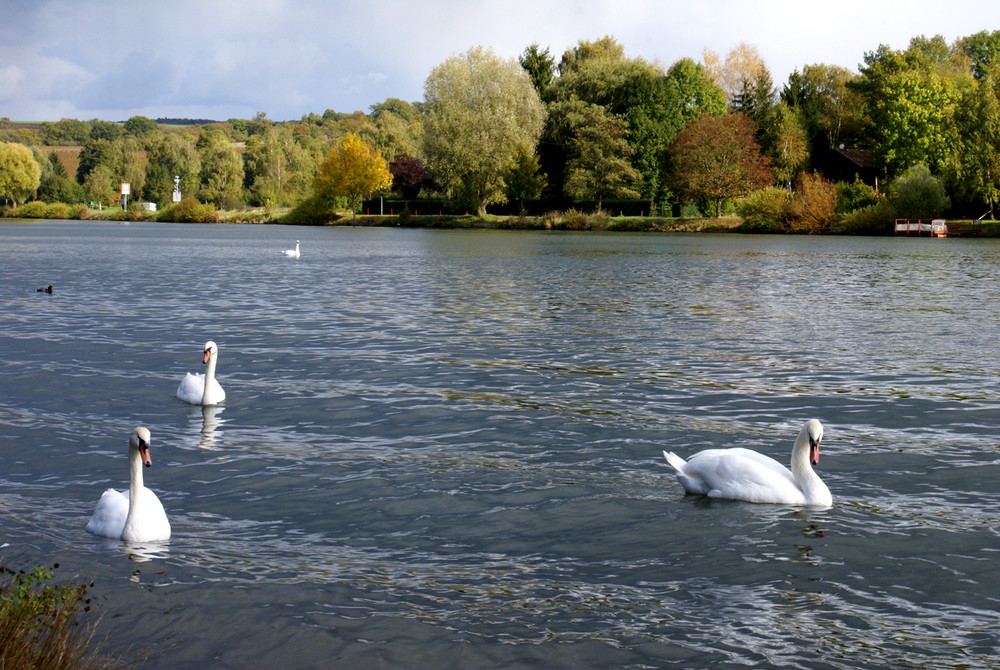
<point>135,477</point>
<point>807,479</point>
<point>209,374</point>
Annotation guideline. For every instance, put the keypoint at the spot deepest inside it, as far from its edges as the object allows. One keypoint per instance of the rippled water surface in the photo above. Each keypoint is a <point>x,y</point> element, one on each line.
<point>443,449</point>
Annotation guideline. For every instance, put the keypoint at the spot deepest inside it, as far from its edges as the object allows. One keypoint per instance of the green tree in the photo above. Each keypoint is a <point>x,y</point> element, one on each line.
<point>918,194</point>
<point>606,48</point>
<point>105,130</point>
<point>831,111</point>
<point>65,131</point>
<point>909,105</point>
<point>694,91</point>
<point>599,167</point>
<point>55,184</point>
<point>99,186</point>
<point>221,175</point>
<point>789,144</point>
<point>140,126</point>
<point>352,170</point>
<point>540,66</point>
<point>20,173</point>
<point>975,158</point>
<point>172,155</point>
<point>640,93</point>
<point>525,180</point>
<point>718,157</point>
<point>983,50</point>
<point>279,171</point>
<point>481,109</point>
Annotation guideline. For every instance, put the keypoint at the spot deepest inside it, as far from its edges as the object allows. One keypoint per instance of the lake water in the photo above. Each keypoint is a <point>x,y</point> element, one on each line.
<point>442,449</point>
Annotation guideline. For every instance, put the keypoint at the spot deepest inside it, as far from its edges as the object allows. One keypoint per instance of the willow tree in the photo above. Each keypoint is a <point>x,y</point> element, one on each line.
<point>481,109</point>
<point>353,170</point>
<point>20,174</point>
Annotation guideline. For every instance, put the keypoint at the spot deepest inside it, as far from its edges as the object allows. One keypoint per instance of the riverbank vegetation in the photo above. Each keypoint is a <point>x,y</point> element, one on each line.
<point>41,625</point>
<point>564,143</point>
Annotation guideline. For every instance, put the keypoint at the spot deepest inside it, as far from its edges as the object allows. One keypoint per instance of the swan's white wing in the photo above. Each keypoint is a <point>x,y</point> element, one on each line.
<point>109,515</point>
<point>147,521</point>
<point>742,474</point>
<point>192,388</point>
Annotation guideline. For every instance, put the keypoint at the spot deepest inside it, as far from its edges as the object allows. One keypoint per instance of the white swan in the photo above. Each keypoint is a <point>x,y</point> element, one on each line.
<point>294,253</point>
<point>136,515</point>
<point>203,389</point>
<point>742,474</point>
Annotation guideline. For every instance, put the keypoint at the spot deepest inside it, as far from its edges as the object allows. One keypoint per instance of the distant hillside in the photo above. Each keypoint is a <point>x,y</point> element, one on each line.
<point>185,122</point>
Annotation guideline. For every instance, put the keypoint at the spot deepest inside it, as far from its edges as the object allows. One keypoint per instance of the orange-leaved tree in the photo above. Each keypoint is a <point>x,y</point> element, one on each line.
<point>717,157</point>
<point>353,170</point>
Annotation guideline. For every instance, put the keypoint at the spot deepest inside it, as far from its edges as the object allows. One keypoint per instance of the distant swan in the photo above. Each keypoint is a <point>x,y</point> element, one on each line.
<point>203,389</point>
<point>743,474</point>
<point>294,253</point>
<point>136,515</point>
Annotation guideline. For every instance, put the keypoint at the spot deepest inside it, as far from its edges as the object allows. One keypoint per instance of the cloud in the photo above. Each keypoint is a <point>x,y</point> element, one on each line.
<point>218,59</point>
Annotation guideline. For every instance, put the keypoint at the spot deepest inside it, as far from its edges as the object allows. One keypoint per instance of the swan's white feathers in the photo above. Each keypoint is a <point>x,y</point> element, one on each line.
<point>203,388</point>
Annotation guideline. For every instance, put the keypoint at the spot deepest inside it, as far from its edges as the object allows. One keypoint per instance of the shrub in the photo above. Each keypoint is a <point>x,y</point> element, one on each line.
<point>78,212</point>
<point>57,210</point>
<point>189,210</point>
<point>764,211</point>
<point>854,195</point>
<point>31,210</point>
<point>875,219</point>
<point>813,206</point>
<point>918,194</point>
<point>312,211</point>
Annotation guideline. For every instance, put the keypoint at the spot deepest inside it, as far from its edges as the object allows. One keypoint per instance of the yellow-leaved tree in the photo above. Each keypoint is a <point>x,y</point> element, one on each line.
<point>353,170</point>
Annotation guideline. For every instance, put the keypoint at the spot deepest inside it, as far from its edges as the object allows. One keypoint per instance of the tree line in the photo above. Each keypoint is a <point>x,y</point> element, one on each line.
<point>919,127</point>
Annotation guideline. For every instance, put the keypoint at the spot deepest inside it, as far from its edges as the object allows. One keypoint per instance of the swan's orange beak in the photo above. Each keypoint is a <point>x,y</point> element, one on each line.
<point>208,354</point>
<point>144,453</point>
<point>814,453</point>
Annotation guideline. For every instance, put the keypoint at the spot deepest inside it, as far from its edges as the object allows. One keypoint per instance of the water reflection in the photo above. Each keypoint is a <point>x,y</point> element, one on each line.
<point>210,423</point>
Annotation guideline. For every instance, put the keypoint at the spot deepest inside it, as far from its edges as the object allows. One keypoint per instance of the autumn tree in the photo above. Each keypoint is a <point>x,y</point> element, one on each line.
<point>481,108</point>
<point>743,63</point>
<point>718,157</point>
<point>353,170</point>
<point>20,174</point>
<point>599,167</point>
<point>409,176</point>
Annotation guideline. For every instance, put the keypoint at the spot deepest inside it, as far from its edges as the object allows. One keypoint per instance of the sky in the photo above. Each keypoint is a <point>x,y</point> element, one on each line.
<point>222,59</point>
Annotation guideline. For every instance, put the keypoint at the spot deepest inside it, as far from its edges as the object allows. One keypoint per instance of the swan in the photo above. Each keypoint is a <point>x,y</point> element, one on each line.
<point>136,515</point>
<point>203,389</point>
<point>743,474</point>
<point>294,253</point>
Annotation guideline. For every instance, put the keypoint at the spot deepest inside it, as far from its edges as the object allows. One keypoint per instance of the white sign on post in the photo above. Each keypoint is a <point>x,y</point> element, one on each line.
<point>125,188</point>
